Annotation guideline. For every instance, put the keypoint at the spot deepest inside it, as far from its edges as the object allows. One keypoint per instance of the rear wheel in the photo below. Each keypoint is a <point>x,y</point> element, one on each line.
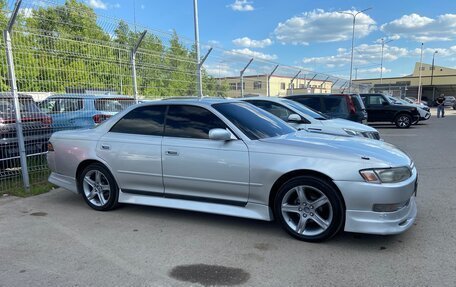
<point>403,121</point>
<point>98,187</point>
<point>309,208</point>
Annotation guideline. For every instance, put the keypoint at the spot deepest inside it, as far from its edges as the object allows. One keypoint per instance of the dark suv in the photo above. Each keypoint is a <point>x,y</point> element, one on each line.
<point>345,106</point>
<point>36,127</point>
<point>379,109</point>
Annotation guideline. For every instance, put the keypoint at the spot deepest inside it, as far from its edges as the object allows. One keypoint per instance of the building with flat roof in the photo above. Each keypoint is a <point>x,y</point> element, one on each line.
<point>278,85</point>
<point>435,80</point>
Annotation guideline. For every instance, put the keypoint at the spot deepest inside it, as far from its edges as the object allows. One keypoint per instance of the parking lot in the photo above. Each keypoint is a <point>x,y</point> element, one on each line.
<point>55,239</point>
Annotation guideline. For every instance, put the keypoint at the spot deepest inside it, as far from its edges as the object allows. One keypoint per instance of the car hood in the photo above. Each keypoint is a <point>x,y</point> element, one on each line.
<point>304,143</point>
<point>346,124</point>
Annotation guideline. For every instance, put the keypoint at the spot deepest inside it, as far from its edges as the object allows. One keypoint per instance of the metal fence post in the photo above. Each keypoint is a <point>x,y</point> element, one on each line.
<point>13,85</point>
<point>200,65</point>
<point>268,87</point>
<point>242,77</point>
<point>133,65</point>
<point>292,80</point>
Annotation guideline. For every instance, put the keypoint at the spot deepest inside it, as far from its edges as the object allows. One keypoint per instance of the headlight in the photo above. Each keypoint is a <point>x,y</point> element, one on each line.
<point>353,132</point>
<point>386,175</point>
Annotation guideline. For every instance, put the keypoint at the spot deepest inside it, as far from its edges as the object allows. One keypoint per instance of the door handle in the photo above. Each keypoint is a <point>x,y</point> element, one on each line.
<point>105,146</point>
<point>172,152</point>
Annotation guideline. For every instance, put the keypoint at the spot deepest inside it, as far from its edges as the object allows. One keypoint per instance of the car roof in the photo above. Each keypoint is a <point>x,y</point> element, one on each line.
<point>90,96</point>
<point>9,95</point>
<point>194,100</point>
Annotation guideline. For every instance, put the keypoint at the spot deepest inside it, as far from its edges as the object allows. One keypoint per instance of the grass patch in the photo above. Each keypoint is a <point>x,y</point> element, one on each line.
<point>35,189</point>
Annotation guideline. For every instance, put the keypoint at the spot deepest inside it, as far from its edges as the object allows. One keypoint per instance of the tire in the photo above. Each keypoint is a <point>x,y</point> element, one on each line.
<point>403,121</point>
<point>318,216</point>
<point>98,187</point>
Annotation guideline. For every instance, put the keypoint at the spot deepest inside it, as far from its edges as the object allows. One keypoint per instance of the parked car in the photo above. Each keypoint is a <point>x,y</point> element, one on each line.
<point>77,111</point>
<point>344,106</point>
<point>36,128</point>
<point>229,157</point>
<point>304,118</point>
<point>454,106</point>
<point>379,109</point>
<point>424,111</point>
<point>449,101</point>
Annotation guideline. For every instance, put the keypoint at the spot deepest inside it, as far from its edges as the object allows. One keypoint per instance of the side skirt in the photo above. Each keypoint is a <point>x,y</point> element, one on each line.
<point>250,210</point>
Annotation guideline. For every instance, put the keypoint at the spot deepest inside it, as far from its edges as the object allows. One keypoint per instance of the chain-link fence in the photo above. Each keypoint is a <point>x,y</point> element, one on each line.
<point>65,67</point>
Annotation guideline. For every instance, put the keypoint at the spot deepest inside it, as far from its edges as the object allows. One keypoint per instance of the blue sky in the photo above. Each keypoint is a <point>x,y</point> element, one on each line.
<point>309,34</point>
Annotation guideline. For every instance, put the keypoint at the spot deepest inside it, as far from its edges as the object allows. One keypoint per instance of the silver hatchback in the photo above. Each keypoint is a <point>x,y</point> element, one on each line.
<point>232,158</point>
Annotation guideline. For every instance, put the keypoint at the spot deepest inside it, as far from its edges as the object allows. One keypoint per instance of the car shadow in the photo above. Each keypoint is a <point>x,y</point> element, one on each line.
<point>269,230</point>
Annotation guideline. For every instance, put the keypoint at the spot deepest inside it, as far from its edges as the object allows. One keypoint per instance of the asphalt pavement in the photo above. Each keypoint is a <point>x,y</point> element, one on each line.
<point>55,239</point>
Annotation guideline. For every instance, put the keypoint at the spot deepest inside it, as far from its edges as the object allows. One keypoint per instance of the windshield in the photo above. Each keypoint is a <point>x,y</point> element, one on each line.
<point>252,121</point>
<point>306,110</point>
<point>27,106</point>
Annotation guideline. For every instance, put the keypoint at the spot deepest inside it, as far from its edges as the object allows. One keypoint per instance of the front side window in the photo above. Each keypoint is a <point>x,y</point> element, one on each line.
<point>311,102</point>
<point>252,121</point>
<point>113,105</point>
<point>184,121</point>
<point>146,120</point>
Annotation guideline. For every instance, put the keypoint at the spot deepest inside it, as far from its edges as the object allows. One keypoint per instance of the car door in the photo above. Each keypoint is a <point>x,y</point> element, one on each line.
<point>197,168</point>
<point>377,108</point>
<point>132,149</point>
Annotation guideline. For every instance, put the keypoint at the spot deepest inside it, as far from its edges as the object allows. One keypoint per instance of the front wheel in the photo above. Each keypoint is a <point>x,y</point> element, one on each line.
<point>309,209</point>
<point>98,187</point>
<point>403,121</point>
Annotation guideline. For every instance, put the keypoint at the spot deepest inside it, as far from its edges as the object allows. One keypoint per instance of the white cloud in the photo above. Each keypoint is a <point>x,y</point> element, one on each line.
<point>441,52</point>
<point>364,54</point>
<point>250,53</point>
<point>423,29</point>
<point>373,70</point>
<point>219,70</point>
<point>247,42</point>
<point>242,5</point>
<point>321,26</point>
<point>97,4</point>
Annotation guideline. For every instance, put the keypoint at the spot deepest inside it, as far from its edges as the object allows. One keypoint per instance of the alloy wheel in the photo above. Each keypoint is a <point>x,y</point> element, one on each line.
<point>403,121</point>
<point>307,210</point>
<point>96,188</point>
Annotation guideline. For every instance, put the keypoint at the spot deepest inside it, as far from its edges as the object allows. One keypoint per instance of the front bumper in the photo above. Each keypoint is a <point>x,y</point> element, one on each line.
<point>360,198</point>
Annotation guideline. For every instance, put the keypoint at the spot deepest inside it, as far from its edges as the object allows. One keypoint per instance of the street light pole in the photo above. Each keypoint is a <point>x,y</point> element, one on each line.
<point>199,80</point>
<point>421,69</point>
<point>381,59</point>
<point>353,43</point>
<point>432,76</point>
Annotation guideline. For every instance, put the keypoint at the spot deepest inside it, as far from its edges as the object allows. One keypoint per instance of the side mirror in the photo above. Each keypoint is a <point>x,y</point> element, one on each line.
<point>294,118</point>
<point>219,135</point>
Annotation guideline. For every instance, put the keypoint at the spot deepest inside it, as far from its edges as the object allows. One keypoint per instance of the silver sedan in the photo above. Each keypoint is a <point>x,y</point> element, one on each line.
<point>232,158</point>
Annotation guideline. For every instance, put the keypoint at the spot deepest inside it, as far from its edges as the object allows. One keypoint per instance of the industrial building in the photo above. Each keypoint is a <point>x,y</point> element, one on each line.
<point>435,80</point>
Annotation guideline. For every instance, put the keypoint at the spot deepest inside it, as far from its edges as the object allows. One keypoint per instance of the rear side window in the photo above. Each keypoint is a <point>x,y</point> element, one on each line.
<point>147,120</point>
<point>311,102</point>
<point>27,106</point>
<point>191,122</point>
<point>112,105</point>
<point>359,105</point>
<point>335,104</point>
<point>56,106</point>
<point>376,100</point>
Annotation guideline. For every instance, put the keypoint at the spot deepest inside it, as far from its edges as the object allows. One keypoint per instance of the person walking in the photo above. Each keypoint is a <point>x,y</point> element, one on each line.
<point>440,106</point>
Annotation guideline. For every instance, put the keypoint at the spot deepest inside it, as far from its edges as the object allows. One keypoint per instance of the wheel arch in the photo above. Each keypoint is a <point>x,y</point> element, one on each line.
<point>85,163</point>
<point>300,172</point>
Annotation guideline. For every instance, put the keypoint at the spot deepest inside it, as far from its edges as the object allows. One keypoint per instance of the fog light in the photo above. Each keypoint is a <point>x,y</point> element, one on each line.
<point>390,207</point>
